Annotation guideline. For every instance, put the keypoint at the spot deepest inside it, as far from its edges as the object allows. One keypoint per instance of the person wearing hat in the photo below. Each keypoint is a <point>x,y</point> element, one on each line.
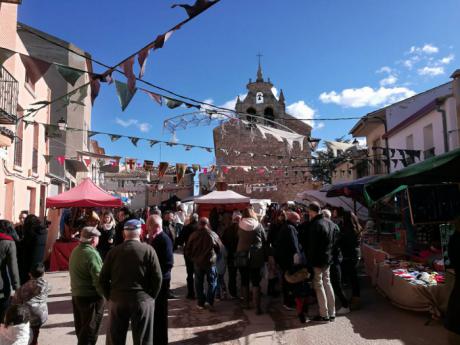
<point>322,238</point>
<point>131,279</point>
<point>87,296</point>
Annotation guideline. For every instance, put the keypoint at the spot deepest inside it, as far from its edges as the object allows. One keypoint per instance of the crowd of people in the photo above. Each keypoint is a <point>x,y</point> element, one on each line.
<point>124,263</point>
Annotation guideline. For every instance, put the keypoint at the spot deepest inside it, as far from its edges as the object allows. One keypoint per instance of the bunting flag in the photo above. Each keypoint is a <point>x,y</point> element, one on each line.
<point>124,94</point>
<point>196,167</point>
<point>162,169</point>
<point>188,147</point>
<point>70,75</point>
<point>114,163</point>
<point>61,160</point>
<point>395,162</point>
<point>128,69</point>
<point>402,153</point>
<point>393,151</point>
<point>52,131</point>
<point>161,39</point>
<point>47,158</point>
<point>171,144</point>
<point>87,161</point>
<point>173,103</point>
<point>95,85</point>
<point>197,8</point>
<point>225,170</point>
<point>153,142</point>
<point>156,97</point>
<point>35,68</point>
<point>114,137</point>
<point>148,165</point>
<point>208,149</point>
<point>134,140</point>
<point>5,54</point>
<point>261,171</point>
<point>130,163</point>
<point>180,171</point>
<point>92,134</point>
<point>142,59</point>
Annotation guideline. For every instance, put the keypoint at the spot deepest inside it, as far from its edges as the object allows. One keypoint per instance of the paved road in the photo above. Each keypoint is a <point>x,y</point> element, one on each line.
<point>378,323</point>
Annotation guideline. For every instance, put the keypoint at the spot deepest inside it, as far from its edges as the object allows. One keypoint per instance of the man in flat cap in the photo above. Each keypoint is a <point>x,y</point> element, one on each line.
<point>87,298</point>
<point>131,280</point>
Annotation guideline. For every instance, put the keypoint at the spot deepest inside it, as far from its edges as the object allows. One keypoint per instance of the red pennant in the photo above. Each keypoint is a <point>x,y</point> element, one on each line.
<point>127,67</point>
<point>156,97</point>
<point>95,87</point>
<point>87,161</point>
<point>142,59</point>
<point>261,171</point>
<point>225,170</point>
<point>61,160</point>
<point>35,68</point>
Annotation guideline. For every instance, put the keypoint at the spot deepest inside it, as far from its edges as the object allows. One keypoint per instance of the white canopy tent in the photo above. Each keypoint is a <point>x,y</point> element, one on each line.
<point>222,197</point>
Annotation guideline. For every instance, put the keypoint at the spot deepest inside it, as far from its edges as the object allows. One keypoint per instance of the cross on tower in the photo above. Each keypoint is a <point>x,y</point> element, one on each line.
<point>259,56</point>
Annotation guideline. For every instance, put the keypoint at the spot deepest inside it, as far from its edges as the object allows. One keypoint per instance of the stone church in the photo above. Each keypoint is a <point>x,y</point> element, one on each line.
<point>265,153</point>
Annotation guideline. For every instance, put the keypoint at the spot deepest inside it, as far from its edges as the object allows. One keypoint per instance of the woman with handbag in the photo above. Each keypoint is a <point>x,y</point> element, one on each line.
<point>250,256</point>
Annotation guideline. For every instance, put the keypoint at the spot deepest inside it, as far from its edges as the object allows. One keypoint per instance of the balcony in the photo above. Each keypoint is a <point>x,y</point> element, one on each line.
<point>6,137</point>
<point>9,89</point>
<point>429,153</point>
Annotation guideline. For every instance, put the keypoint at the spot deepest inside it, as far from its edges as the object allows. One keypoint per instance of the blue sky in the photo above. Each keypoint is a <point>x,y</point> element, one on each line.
<point>331,58</point>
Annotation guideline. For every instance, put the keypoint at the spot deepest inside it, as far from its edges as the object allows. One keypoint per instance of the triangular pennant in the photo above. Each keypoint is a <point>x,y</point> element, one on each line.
<point>130,163</point>
<point>5,54</point>
<point>161,39</point>
<point>188,147</point>
<point>87,161</point>
<point>225,170</point>
<point>47,158</point>
<point>95,87</point>
<point>208,149</point>
<point>124,94</point>
<point>156,97</point>
<point>402,153</point>
<point>173,103</point>
<point>196,167</point>
<point>92,134</point>
<point>128,68</point>
<point>114,137</point>
<point>197,8</point>
<point>52,131</point>
<point>70,75</point>
<point>35,68</point>
<point>162,169</point>
<point>395,162</point>
<point>142,59</point>
<point>393,152</point>
<point>180,171</point>
<point>134,140</point>
<point>153,142</point>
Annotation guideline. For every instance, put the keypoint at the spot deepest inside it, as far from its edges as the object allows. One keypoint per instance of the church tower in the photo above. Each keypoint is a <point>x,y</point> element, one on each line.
<point>261,101</point>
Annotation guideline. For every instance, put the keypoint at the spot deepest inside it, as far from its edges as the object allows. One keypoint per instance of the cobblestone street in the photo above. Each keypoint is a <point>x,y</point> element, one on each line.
<point>377,323</point>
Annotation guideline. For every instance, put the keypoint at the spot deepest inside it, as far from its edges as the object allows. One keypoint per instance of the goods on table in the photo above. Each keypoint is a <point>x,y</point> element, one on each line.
<point>416,273</point>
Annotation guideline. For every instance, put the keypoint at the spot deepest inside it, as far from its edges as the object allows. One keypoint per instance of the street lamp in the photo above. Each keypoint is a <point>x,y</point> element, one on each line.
<point>62,124</point>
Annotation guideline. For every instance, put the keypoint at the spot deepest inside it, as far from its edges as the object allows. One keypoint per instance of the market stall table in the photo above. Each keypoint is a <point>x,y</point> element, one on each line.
<point>60,255</point>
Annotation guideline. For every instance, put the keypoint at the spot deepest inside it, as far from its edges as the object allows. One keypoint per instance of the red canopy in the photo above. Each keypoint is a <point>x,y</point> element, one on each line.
<point>86,194</point>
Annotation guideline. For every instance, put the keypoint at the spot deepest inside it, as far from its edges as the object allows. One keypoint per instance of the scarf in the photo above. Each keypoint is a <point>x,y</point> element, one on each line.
<point>5,237</point>
<point>107,226</point>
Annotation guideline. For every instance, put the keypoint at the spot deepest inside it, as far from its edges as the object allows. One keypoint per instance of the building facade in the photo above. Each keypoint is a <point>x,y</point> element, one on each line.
<point>265,153</point>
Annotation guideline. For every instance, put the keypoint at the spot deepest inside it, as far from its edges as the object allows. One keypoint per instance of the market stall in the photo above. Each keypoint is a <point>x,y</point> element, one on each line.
<point>85,195</point>
<point>407,258</point>
<point>226,200</point>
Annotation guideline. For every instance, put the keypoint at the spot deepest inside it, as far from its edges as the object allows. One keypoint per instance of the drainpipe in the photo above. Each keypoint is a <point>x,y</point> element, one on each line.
<point>439,103</point>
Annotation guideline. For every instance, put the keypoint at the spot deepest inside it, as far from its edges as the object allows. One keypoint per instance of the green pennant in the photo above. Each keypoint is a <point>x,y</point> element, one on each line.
<point>153,142</point>
<point>5,54</point>
<point>70,75</point>
<point>172,103</point>
<point>124,94</point>
<point>52,131</point>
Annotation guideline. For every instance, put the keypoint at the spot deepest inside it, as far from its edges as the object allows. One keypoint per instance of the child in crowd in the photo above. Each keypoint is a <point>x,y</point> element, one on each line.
<point>16,329</point>
<point>34,295</point>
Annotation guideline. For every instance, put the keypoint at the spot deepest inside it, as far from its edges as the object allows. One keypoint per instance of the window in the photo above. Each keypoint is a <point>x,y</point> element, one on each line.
<point>268,114</point>
<point>428,142</point>
<point>29,81</point>
<point>251,111</point>
<point>35,148</point>
<point>18,143</point>
<point>410,146</point>
<point>259,98</point>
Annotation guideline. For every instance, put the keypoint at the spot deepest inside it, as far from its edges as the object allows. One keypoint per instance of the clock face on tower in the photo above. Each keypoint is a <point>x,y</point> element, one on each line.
<point>259,98</point>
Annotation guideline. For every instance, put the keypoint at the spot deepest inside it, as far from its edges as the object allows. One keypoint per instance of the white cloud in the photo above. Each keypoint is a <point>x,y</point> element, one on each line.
<point>230,104</point>
<point>275,92</point>
<point>300,110</point>
<point>447,60</point>
<point>385,69</point>
<point>426,49</point>
<point>366,96</point>
<point>320,125</point>
<point>431,71</point>
<point>390,80</point>
<point>142,126</point>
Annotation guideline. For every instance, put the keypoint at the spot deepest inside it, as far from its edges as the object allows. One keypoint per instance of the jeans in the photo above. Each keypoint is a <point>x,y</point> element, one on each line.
<point>87,313</point>
<point>253,275</point>
<point>221,289</point>
<point>350,273</point>
<point>190,280</point>
<point>232,270</point>
<point>336,281</point>
<point>324,291</point>
<point>211,277</point>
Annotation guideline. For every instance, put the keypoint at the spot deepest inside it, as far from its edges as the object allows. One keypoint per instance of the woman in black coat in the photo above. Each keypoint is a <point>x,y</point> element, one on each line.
<point>107,229</point>
<point>34,243</point>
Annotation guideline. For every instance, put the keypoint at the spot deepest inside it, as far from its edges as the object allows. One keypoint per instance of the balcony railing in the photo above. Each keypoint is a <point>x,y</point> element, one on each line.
<point>18,152</point>
<point>9,90</point>
<point>34,161</point>
<point>429,153</point>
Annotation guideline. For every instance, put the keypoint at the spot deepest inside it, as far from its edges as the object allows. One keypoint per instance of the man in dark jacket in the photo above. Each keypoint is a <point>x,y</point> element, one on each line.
<point>8,270</point>
<point>182,240</point>
<point>320,256</point>
<point>124,214</point>
<point>230,241</point>
<point>131,279</point>
<point>202,249</point>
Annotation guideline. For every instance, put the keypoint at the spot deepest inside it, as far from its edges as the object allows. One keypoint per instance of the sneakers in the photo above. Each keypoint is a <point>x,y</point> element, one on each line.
<point>285,306</point>
<point>343,311</point>
<point>200,306</point>
<point>331,318</point>
<point>302,318</point>
<point>321,319</point>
